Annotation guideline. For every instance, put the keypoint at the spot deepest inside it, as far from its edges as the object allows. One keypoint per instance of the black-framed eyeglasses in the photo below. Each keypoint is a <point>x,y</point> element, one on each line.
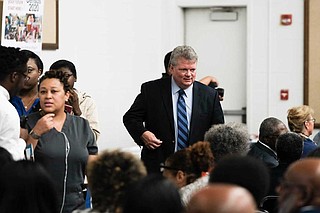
<point>163,167</point>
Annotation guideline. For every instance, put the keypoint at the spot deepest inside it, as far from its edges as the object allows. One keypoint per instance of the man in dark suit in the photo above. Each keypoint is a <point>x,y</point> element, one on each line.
<point>152,119</point>
<point>265,148</point>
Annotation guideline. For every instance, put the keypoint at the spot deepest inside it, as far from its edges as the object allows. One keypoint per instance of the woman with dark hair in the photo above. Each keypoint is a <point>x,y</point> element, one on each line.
<point>26,187</point>
<point>186,165</point>
<point>27,101</point>
<point>189,168</point>
<point>62,143</point>
<point>153,194</point>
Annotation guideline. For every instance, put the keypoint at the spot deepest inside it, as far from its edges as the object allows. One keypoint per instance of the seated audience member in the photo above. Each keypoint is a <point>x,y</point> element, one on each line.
<point>245,171</point>
<point>190,165</point>
<point>109,177</point>
<point>26,187</point>
<point>81,103</point>
<point>301,121</point>
<point>186,165</point>
<point>224,139</point>
<point>299,190</point>
<point>222,198</point>
<point>316,138</point>
<point>289,149</point>
<point>27,101</point>
<point>153,194</point>
<point>227,139</point>
<point>264,148</point>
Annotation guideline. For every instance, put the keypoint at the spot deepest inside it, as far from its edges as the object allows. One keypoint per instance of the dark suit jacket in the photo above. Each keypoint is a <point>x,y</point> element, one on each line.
<point>152,110</point>
<point>262,152</point>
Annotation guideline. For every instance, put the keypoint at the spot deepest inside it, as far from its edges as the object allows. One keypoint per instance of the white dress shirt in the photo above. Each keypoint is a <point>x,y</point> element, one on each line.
<point>10,127</point>
<point>188,99</point>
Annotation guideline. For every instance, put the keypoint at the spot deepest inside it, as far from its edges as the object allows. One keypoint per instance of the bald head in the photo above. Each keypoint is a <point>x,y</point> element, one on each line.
<point>222,198</point>
<point>300,186</point>
<point>305,171</point>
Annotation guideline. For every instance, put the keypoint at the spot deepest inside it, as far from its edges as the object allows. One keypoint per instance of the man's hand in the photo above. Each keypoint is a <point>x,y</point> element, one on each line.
<point>150,140</point>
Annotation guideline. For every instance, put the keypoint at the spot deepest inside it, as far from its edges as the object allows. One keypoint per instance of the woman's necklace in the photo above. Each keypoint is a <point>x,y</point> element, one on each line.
<point>26,106</point>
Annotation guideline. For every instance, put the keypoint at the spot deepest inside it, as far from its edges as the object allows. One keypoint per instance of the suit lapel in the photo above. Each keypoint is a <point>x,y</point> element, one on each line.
<point>167,100</point>
<point>195,108</point>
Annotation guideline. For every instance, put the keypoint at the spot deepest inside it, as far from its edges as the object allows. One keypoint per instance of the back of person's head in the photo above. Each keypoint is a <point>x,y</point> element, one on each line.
<point>222,198</point>
<point>289,147</point>
<point>110,175</point>
<point>26,187</point>
<point>245,171</point>
<point>31,55</point>
<point>11,60</point>
<point>300,186</point>
<point>192,162</point>
<point>185,52</point>
<point>201,157</point>
<point>297,116</point>
<point>269,131</point>
<point>5,157</point>
<point>153,194</point>
<point>228,139</point>
<point>64,64</point>
<point>167,61</point>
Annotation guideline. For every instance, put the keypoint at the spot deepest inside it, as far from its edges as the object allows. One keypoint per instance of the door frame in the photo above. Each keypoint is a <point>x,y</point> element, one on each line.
<point>184,4</point>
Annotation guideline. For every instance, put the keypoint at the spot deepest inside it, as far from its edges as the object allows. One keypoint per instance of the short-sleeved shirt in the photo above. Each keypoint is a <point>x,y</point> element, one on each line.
<point>65,153</point>
<point>18,104</point>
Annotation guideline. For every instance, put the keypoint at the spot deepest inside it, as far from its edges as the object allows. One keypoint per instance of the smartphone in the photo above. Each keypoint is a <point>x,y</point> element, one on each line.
<point>28,152</point>
<point>68,108</point>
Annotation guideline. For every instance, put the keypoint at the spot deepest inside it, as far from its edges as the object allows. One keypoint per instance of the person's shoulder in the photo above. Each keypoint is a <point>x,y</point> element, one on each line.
<point>156,83</point>
<point>199,85</point>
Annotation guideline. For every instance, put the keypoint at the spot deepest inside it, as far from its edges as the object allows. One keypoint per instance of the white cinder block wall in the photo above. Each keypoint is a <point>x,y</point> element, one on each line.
<point>117,45</point>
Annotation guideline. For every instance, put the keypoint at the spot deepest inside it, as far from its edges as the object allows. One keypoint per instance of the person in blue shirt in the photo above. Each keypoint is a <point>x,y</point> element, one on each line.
<point>27,100</point>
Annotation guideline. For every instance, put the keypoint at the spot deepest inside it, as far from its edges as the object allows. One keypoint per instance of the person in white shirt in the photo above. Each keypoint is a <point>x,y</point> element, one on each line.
<point>13,74</point>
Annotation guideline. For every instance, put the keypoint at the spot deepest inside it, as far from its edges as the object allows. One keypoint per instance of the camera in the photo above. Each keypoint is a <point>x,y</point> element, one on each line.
<point>218,89</point>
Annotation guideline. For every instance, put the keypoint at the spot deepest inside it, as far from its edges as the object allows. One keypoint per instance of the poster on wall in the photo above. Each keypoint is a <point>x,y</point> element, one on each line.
<point>22,24</point>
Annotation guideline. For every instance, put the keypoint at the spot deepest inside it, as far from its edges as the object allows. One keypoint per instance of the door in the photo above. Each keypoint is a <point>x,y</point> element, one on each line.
<point>218,35</point>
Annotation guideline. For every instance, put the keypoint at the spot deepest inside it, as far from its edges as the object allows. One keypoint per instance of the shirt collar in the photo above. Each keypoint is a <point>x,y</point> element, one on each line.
<point>176,88</point>
<point>267,147</point>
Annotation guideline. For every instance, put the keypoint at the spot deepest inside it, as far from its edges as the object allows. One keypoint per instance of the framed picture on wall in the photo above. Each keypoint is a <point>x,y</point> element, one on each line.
<point>312,57</point>
<point>50,39</point>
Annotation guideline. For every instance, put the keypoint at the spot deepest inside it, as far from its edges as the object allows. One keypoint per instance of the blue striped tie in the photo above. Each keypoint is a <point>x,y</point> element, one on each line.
<point>182,121</point>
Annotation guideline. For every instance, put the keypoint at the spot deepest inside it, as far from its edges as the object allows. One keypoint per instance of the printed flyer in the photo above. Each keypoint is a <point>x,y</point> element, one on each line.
<point>22,24</point>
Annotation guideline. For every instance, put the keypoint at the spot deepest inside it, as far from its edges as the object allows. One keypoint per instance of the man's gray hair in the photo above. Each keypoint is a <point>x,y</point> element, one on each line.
<point>227,139</point>
<point>185,52</point>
